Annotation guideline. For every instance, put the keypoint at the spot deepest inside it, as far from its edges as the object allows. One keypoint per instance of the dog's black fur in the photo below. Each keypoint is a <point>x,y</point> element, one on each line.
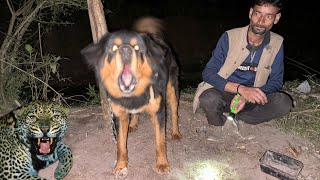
<point>139,72</point>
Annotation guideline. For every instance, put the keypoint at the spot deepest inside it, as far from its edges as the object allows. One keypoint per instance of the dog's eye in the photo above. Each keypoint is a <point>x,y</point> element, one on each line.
<point>136,47</point>
<point>114,48</point>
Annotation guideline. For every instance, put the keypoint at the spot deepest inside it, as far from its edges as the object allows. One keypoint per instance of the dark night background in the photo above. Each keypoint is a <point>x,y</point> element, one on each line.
<point>192,27</point>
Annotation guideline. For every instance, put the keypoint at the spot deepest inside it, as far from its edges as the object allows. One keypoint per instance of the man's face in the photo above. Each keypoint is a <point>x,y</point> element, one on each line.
<point>262,18</point>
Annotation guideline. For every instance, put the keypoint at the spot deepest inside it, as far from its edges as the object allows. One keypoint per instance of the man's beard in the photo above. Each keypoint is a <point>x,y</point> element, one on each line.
<point>258,30</point>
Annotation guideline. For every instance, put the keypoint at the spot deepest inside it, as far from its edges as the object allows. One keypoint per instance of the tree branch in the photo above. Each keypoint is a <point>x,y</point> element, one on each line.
<point>25,8</point>
<point>10,7</point>
<point>22,25</point>
<point>59,95</point>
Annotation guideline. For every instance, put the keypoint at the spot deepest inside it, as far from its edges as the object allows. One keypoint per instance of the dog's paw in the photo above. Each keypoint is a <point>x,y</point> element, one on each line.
<point>120,170</point>
<point>176,135</point>
<point>132,129</point>
<point>162,168</point>
<point>120,173</point>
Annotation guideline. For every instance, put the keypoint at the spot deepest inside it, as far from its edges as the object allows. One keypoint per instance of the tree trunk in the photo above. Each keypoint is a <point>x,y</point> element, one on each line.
<point>98,29</point>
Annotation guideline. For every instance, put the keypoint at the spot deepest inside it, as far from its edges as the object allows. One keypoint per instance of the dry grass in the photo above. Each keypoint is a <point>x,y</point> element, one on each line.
<point>305,117</point>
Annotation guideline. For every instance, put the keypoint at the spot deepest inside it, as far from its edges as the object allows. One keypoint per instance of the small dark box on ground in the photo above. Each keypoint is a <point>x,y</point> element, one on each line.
<point>280,166</point>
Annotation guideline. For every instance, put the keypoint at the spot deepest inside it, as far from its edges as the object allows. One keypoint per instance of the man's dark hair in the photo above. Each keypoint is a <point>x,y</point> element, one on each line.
<point>275,3</point>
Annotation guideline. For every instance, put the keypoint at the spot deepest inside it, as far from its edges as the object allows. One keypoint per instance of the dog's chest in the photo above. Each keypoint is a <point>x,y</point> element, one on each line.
<point>133,105</point>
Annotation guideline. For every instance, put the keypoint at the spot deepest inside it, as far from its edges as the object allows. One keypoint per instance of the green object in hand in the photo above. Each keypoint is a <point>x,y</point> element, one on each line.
<point>233,108</point>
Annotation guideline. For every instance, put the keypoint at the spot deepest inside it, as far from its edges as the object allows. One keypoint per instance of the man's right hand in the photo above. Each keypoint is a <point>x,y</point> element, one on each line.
<point>240,105</point>
<point>253,94</point>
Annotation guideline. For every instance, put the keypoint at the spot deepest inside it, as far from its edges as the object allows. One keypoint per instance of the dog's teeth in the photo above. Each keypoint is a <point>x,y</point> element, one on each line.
<point>51,141</point>
<point>131,87</point>
<point>127,82</point>
<point>39,140</point>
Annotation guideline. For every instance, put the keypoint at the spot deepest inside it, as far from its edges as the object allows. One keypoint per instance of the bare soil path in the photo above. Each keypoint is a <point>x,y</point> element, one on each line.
<point>236,158</point>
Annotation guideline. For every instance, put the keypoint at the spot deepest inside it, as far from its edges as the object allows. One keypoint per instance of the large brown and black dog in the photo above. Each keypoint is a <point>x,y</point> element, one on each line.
<point>140,74</point>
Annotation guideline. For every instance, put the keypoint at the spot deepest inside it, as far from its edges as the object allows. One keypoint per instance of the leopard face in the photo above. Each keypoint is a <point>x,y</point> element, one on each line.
<point>31,138</point>
<point>41,126</point>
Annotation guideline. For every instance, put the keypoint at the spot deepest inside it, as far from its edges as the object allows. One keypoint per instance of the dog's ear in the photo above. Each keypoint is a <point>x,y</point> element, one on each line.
<point>93,53</point>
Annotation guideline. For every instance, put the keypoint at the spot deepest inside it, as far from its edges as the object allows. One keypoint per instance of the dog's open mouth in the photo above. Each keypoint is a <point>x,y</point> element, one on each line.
<point>127,80</point>
<point>44,145</point>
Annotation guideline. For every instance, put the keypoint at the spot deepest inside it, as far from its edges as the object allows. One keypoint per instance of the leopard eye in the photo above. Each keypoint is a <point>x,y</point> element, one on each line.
<point>114,48</point>
<point>56,116</point>
<point>136,47</point>
<point>32,117</point>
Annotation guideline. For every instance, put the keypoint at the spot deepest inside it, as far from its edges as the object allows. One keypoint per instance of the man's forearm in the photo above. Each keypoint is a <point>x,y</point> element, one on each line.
<point>231,87</point>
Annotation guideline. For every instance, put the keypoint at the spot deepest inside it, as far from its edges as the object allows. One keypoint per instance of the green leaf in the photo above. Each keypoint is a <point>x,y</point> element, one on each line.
<point>53,67</point>
<point>29,48</point>
<point>57,58</point>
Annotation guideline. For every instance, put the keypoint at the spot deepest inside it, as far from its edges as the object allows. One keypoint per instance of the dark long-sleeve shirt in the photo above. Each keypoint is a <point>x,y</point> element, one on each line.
<point>242,75</point>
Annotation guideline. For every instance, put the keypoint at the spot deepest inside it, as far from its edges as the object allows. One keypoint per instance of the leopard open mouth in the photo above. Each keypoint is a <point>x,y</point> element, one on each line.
<point>127,80</point>
<point>44,145</point>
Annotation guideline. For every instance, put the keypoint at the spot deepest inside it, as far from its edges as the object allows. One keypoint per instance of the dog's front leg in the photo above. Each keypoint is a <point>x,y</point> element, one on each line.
<point>156,109</point>
<point>172,99</point>
<point>158,121</point>
<point>122,155</point>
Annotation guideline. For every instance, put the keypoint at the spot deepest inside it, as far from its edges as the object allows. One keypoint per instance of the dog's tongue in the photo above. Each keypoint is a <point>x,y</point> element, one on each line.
<point>126,75</point>
<point>44,147</point>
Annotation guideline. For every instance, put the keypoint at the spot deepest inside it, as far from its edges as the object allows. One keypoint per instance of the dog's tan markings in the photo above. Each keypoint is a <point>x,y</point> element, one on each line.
<point>152,108</point>
<point>135,64</point>
<point>133,122</point>
<point>151,92</point>
<point>173,105</point>
<point>139,68</point>
<point>109,73</point>
<point>117,41</point>
<point>154,103</point>
<point>133,42</point>
<point>119,64</point>
<point>122,158</point>
<point>162,164</point>
<point>105,70</point>
<point>143,74</point>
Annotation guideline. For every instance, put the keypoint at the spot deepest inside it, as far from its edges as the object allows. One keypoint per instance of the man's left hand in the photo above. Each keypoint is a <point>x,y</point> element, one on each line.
<point>240,105</point>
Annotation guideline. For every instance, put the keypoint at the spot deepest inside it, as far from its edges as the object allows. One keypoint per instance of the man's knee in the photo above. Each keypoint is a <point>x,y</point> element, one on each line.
<point>211,97</point>
<point>213,103</point>
<point>285,102</point>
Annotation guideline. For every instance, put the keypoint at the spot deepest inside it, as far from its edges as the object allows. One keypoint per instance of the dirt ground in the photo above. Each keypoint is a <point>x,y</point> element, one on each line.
<point>202,146</point>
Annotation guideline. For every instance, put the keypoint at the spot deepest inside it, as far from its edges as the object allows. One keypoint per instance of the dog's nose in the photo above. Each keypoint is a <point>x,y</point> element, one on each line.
<point>125,52</point>
<point>125,49</point>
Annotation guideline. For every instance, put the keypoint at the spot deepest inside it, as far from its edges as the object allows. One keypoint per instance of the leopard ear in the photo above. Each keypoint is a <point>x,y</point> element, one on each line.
<point>65,110</point>
<point>18,112</point>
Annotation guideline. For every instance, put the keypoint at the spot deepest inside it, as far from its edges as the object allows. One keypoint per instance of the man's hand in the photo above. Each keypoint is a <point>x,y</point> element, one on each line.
<point>253,94</point>
<point>241,103</point>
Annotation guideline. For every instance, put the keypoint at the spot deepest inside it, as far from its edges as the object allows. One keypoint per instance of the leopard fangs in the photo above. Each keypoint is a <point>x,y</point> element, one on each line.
<point>39,141</point>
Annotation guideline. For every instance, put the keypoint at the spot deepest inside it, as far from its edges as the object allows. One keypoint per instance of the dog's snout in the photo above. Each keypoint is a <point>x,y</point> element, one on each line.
<point>126,52</point>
